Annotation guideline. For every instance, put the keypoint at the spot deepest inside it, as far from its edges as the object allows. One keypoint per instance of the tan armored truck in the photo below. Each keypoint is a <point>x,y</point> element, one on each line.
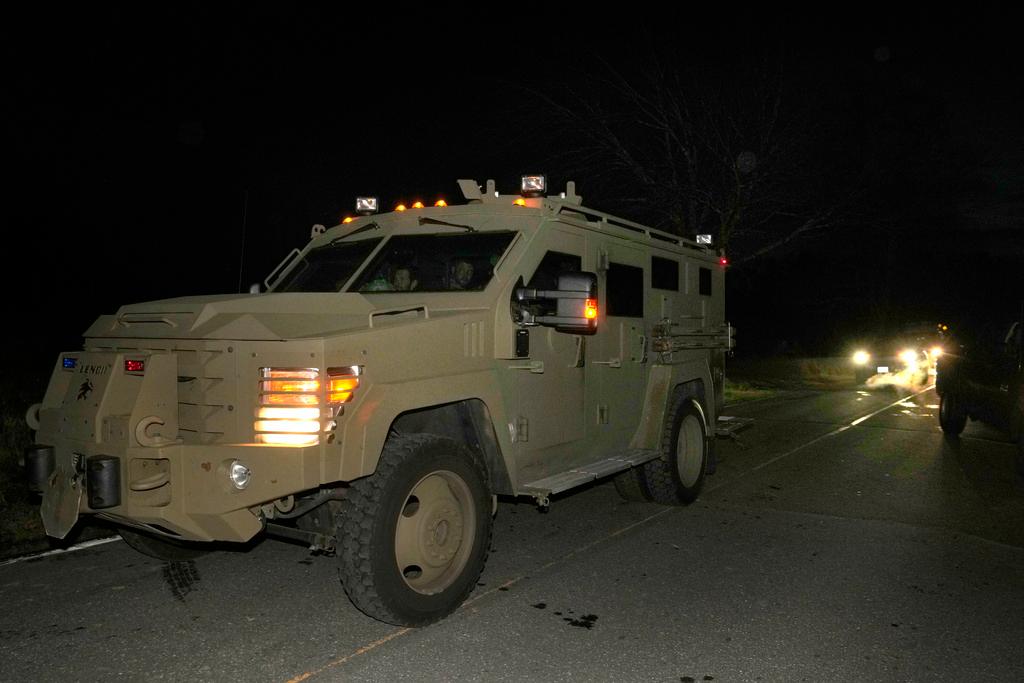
<point>397,374</point>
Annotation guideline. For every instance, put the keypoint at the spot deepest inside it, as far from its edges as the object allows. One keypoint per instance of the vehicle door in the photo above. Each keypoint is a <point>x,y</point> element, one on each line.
<point>1005,383</point>
<point>616,359</point>
<point>549,383</point>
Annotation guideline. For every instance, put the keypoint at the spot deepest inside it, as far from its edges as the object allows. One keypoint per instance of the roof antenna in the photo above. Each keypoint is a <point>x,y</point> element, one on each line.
<point>241,256</point>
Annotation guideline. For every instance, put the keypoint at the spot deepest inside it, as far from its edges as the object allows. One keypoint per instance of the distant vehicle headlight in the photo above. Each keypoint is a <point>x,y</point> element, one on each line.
<point>908,356</point>
<point>936,351</point>
<point>861,358</point>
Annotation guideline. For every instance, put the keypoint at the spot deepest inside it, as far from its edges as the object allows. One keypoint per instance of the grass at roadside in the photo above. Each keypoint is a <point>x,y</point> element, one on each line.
<point>738,392</point>
<point>20,525</point>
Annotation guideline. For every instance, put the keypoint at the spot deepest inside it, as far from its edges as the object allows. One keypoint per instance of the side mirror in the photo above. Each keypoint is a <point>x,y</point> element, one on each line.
<point>574,304</point>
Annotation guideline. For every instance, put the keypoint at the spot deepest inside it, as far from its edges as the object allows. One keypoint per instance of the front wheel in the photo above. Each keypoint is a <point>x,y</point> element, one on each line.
<point>677,476</point>
<point>414,536</point>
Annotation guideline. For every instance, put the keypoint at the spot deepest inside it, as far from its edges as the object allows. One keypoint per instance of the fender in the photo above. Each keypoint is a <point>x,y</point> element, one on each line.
<point>661,382</point>
<point>368,427</point>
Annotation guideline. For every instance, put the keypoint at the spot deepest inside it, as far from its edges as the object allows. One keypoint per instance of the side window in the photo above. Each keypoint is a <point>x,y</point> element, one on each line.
<point>546,277</point>
<point>705,282</point>
<point>625,290</point>
<point>554,263</point>
<point>664,273</point>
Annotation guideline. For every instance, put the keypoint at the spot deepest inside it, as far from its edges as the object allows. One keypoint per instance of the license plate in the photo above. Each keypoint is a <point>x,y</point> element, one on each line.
<point>882,369</point>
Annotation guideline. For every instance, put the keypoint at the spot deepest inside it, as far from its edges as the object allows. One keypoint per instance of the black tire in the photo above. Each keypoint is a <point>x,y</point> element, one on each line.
<point>630,486</point>
<point>167,550</point>
<point>1020,445</point>
<point>414,536</point>
<point>677,476</point>
<point>1020,454</point>
<point>952,417</point>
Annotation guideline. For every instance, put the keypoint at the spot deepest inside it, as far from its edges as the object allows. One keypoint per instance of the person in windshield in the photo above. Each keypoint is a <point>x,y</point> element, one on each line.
<point>462,274</point>
<point>402,280</point>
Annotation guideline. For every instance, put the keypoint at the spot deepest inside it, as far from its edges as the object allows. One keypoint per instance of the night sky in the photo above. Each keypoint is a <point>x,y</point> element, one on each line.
<point>145,147</point>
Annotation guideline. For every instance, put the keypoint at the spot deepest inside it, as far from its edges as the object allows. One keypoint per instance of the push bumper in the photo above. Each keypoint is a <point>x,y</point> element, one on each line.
<point>181,491</point>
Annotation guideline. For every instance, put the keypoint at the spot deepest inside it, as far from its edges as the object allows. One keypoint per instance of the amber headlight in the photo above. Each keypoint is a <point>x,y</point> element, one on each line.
<point>295,406</point>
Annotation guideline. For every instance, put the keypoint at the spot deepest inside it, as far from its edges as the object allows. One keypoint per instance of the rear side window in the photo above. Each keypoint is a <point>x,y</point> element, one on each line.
<point>705,281</point>
<point>625,290</point>
<point>664,273</point>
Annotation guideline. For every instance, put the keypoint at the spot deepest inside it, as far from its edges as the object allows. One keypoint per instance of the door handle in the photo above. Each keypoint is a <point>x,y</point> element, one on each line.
<point>613,363</point>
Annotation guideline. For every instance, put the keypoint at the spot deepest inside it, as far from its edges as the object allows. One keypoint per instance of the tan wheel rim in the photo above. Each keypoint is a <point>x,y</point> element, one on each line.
<point>435,531</point>
<point>689,450</point>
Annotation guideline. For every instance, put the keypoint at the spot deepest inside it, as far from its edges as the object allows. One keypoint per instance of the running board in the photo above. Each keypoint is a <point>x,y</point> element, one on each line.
<point>729,426</point>
<point>543,489</point>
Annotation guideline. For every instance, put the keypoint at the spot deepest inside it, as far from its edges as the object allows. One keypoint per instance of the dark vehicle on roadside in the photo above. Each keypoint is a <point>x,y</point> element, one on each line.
<point>982,378</point>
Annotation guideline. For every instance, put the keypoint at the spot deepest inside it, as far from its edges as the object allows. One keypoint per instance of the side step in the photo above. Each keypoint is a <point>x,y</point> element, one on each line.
<point>542,489</point>
<point>729,426</point>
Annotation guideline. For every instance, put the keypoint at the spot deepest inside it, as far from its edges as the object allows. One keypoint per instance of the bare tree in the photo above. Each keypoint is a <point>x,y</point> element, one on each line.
<point>694,151</point>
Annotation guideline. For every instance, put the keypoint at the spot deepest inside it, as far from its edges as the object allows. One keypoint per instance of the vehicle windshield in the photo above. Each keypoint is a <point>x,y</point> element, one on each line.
<point>434,263</point>
<point>327,268</point>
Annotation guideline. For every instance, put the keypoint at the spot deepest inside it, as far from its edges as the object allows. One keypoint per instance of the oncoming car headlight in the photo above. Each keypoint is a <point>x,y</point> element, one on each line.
<point>861,358</point>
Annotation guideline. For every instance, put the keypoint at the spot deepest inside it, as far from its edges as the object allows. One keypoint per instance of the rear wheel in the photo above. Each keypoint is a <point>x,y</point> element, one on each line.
<point>167,550</point>
<point>677,476</point>
<point>414,536</point>
<point>952,417</point>
<point>630,486</point>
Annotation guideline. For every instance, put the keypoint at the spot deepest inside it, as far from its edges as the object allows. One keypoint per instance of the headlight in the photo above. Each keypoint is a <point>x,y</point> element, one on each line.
<point>936,351</point>
<point>296,405</point>
<point>239,474</point>
<point>861,358</point>
<point>908,356</point>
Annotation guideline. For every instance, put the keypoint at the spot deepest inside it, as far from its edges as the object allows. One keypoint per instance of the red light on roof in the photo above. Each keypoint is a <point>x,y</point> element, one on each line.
<point>440,202</point>
<point>417,205</point>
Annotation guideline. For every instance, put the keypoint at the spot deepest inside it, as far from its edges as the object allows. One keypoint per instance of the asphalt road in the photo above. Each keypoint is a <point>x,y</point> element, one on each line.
<point>822,550</point>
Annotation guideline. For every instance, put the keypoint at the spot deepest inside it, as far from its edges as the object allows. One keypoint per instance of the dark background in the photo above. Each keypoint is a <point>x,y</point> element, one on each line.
<point>158,154</point>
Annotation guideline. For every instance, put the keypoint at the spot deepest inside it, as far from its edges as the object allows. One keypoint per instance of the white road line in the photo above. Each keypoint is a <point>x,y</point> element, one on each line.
<point>60,551</point>
<point>840,430</point>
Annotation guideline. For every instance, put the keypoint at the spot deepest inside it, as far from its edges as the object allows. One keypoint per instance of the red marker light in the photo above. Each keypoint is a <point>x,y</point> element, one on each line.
<point>723,261</point>
<point>135,366</point>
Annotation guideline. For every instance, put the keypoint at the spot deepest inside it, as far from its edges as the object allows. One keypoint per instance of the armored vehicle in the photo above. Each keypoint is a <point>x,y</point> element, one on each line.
<point>393,377</point>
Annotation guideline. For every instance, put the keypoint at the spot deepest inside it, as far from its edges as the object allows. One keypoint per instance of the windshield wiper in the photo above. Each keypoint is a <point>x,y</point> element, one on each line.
<point>368,226</point>
<point>424,220</point>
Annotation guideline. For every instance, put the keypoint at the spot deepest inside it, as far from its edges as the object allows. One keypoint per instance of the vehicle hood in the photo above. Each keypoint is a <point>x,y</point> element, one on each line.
<point>259,317</point>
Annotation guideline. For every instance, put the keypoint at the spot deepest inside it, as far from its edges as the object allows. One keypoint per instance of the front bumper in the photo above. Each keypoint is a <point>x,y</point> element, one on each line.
<point>181,491</point>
